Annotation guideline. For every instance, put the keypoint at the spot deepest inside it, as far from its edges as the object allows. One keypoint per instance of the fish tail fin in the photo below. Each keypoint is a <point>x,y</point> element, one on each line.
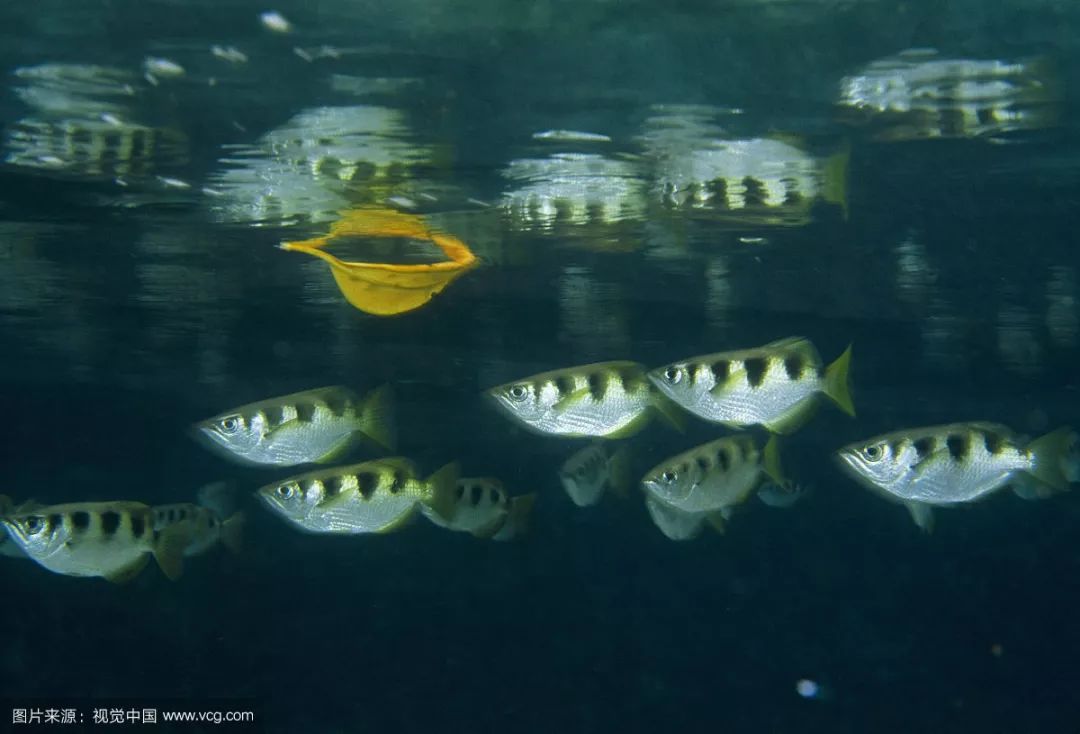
<point>169,551</point>
<point>922,515</point>
<point>836,178</point>
<point>669,411</point>
<point>219,497</point>
<point>1049,455</point>
<point>519,517</point>
<point>232,532</point>
<point>442,485</point>
<point>377,417</point>
<point>771,460</point>
<point>838,382</point>
<point>619,476</point>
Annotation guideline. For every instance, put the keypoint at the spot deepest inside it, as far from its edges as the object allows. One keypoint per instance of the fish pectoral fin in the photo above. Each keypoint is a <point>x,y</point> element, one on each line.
<point>570,401</point>
<point>169,551</point>
<point>125,575</point>
<point>794,419</point>
<point>341,447</point>
<point>400,521</point>
<point>717,521</point>
<point>282,428</point>
<point>922,514</point>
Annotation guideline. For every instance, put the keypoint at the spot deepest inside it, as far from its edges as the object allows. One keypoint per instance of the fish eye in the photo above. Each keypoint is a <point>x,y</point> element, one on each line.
<point>672,375</point>
<point>873,452</point>
<point>229,425</point>
<point>286,491</point>
<point>517,392</point>
<point>34,524</point>
<point>669,477</point>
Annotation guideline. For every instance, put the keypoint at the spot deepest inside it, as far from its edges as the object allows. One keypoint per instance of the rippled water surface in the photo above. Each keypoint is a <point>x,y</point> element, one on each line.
<point>640,181</point>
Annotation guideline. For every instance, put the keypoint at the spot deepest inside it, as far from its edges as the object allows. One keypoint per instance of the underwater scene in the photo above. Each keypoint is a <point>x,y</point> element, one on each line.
<point>562,366</point>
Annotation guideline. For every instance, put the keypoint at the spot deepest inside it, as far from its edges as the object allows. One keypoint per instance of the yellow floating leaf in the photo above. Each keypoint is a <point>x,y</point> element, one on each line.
<point>385,289</point>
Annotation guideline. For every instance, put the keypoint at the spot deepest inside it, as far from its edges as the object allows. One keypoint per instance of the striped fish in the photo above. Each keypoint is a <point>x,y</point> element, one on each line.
<point>588,472</point>
<point>371,497</point>
<point>605,400</point>
<point>953,464</point>
<point>314,426</point>
<point>206,524</point>
<point>713,476</point>
<point>483,508</point>
<point>113,540</point>
<point>776,386</point>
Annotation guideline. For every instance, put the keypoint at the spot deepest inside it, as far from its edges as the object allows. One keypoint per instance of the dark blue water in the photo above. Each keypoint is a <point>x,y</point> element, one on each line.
<point>143,291</point>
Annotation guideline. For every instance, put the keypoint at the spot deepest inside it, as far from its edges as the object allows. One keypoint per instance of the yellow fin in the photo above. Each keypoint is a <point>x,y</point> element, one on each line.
<point>922,514</point>
<point>620,478</point>
<point>568,402</point>
<point>1049,452</point>
<point>232,532</point>
<point>377,418</point>
<point>794,419</point>
<point>517,520</point>
<point>771,460</point>
<point>836,178</point>
<point>125,575</point>
<point>169,551</point>
<point>838,382</point>
<point>667,409</point>
<point>443,486</point>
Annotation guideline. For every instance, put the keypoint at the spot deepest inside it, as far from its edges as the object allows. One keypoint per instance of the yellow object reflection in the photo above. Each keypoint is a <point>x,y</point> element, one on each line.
<point>386,289</point>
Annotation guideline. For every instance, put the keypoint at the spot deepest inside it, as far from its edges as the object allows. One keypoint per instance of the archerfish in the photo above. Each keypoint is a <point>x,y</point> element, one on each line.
<point>945,465</point>
<point>716,475</point>
<point>591,470</point>
<point>777,386</point>
<point>371,497</point>
<point>483,508</point>
<point>211,521</point>
<point>113,540</point>
<point>314,426</point>
<point>604,400</point>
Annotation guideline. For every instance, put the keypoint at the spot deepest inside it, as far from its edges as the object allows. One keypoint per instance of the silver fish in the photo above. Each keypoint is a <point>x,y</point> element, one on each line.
<point>715,475</point>
<point>952,464</point>
<point>782,495</point>
<point>313,426</point>
<point>371,497</point>
<point>776,385</point>
<point>483,508</point>
<point>205,524</point>
<point>113,540</point>
<point>9,547</point>
<point>588,472</point>
<point>606,400</point>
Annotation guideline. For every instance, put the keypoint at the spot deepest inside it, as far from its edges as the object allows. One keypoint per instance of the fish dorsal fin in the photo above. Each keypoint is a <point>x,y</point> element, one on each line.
<point>129,572</point>
<point>791,343</point>
<point>399,462</point>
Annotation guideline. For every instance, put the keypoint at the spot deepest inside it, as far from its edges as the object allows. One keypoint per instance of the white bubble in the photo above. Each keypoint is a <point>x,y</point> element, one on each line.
<point>807,688</point>
<point>275,21</point>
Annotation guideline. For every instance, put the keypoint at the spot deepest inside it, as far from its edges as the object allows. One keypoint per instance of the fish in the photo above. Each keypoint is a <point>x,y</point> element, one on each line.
<point>1028,487</point>
<point>517,521</point>
<point>678,525</point>
<point>311,427</point>
<point>776,385</point>
<point>588,472</point>
<point>377,496</point>
<point>952,464</point>
<point>206,524</point>
<point>481,507</point>
<point>782,495</point>
<point>603,400</point>
<point>112,540</point>
<point>716,475</point>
